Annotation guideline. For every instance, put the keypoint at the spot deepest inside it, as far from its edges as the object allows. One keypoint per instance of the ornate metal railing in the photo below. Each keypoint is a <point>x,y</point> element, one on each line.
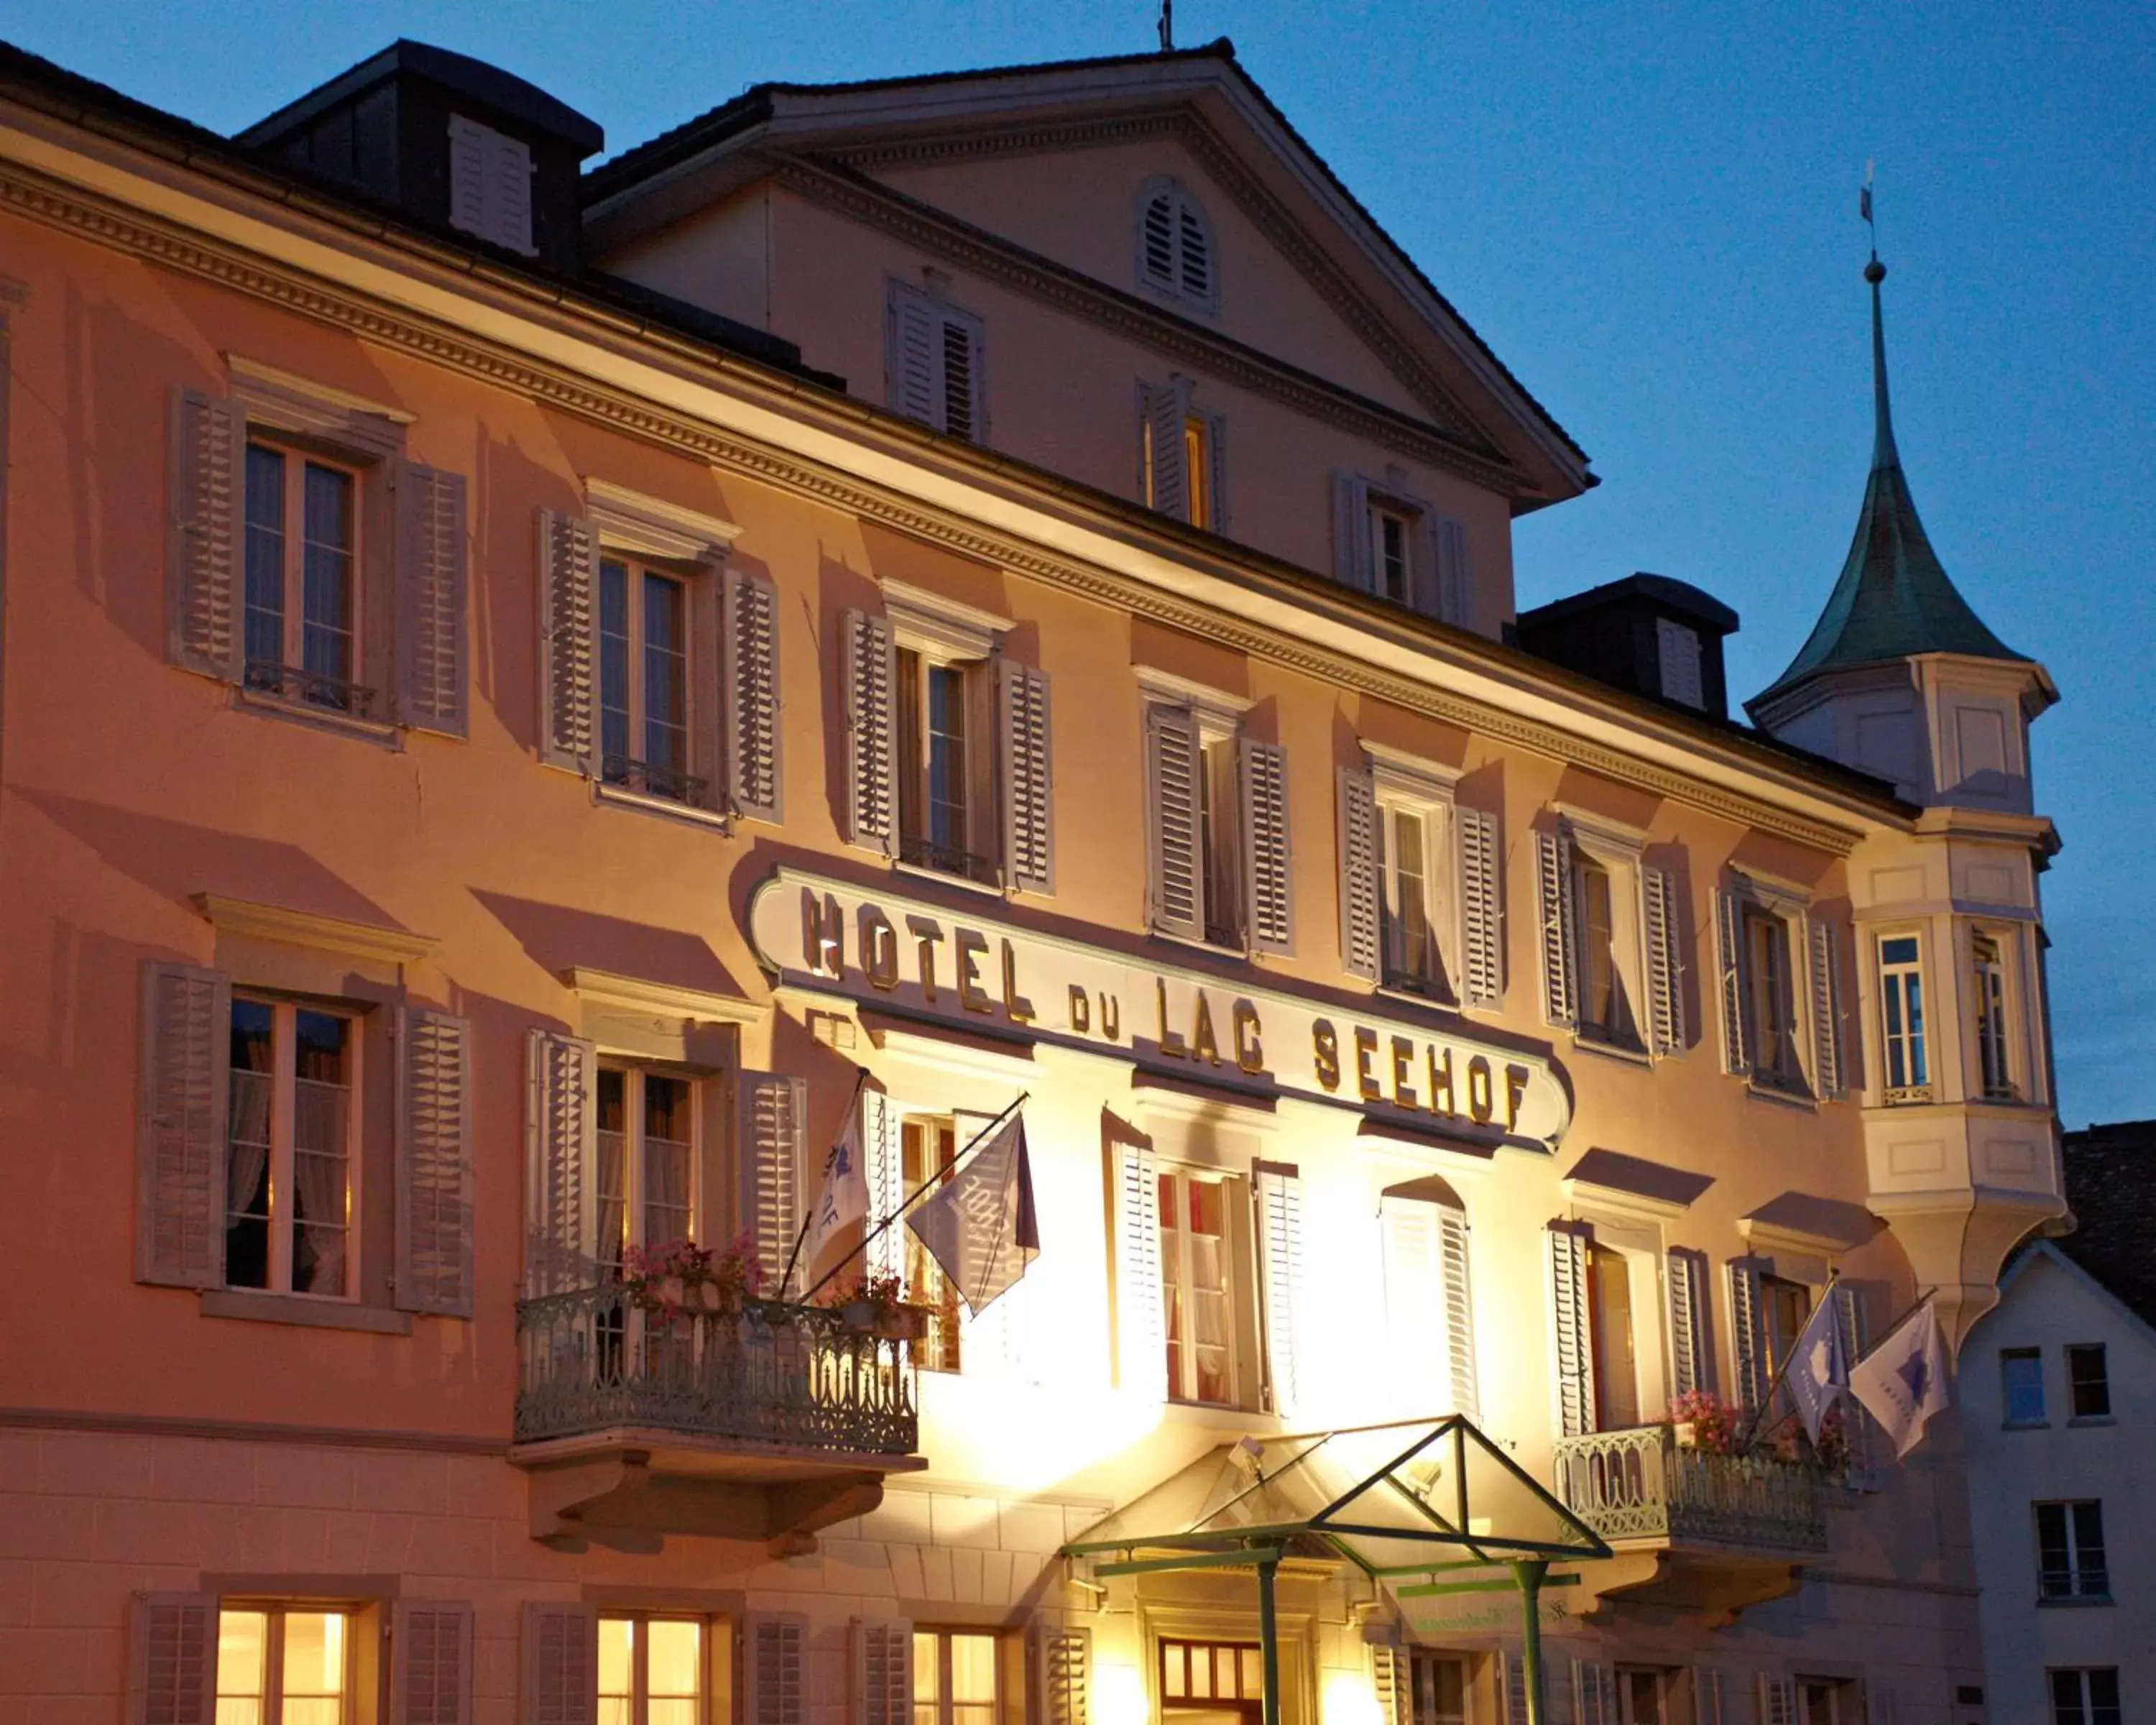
<point>654,780</point>
<point>294,683</point>
<point>1639,1483</point>
<point>770,1372</point>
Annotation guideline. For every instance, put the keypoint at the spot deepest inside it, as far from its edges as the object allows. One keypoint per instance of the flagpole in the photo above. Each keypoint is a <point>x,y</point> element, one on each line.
<point>956,1158</point>
<point>808,1216</point>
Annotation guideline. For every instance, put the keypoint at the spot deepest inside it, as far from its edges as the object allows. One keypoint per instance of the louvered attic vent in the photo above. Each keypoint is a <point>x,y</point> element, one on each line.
<point>1175,244</point>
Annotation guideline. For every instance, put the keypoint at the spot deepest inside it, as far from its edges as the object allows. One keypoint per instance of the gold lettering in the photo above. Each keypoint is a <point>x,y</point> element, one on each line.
<point>969,947</point>
<point>1516,1086</point>
<point>1403,1094</point>
<point>1441,1080</point>
<point>823,934</point>
<point>1111,1017</point>
<point>1169,1042</point>
<point>1481,1104</point>
<point>879,949</point>
<point>1080,1018</point>
<point>1325,1053</point>
<point>926,931</point>
<point>1366,1052</point>
<point>1016,1007</point>
<point>1203,1045</point>
<point>1249,1051</point>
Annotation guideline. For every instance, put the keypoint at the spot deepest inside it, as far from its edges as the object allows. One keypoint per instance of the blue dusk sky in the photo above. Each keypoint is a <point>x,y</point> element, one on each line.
<point>1650,213</point>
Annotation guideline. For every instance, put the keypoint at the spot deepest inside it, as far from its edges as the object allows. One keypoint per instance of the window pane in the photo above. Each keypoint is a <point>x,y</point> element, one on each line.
<point>973,1669</point>
<point>2066,1699</point>
<point>1196,474</point>
<point>613,1135</point>
<point>247,1139</point>
<point>2090,1379</point>
<point>326,639</point>
<point>2104,1696</point>
<point>666,686</point>
<point>2021,1371</point>
<point>675,1654</point>
<point>314,1675</point>
<point>321,1112</point>
<point>2055,1560</point>
<point>613,669</point>
<point>927,1677</point>
<point>242,1648</point>
<point>912,771</point>
<point>667,1153</point>
<point>617,1670</point>
<point>948,741</point>
<point>265,556</point>
<point>2090,1572</point>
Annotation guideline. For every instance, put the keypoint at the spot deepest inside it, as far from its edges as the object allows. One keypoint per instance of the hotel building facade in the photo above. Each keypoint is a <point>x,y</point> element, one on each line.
<point>533,695</point>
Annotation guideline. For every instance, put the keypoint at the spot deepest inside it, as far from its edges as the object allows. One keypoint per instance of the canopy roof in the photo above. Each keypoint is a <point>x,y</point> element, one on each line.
<point>1407,1498</point>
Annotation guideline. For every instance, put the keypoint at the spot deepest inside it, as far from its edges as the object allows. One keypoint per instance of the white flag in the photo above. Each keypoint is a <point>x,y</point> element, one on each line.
<point>980,1227</point>
<point>1817,1371</point>
<point>844,1199</point>
<point>1903,1381</point>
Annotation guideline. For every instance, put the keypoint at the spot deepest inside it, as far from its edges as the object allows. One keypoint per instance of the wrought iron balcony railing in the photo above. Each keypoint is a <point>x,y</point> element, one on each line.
<point>772,1373</point>
<point>652,779</point>
<point>1639,1483</point>
<point>306,688</point>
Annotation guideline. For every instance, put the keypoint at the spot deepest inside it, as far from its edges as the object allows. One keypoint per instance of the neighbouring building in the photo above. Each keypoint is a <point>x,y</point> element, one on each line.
<point>2059,1394</point>
<point>535,699</point>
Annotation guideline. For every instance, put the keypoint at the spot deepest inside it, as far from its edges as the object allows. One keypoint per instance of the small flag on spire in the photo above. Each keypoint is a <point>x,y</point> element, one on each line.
<point>1864,196</point>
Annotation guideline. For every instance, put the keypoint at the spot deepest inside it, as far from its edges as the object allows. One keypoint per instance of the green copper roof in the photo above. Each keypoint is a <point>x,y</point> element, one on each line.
<point>1893,599</point>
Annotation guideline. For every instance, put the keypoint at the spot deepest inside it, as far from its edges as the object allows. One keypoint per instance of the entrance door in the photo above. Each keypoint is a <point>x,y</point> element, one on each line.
<point>1642,1696</point>
<point>1211,1682</point>
<point>1616,1370</point>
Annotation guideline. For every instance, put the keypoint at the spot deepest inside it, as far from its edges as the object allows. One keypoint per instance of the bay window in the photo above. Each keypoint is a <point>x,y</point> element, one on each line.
<point>1994,1061</point>
<point>291,1135</point>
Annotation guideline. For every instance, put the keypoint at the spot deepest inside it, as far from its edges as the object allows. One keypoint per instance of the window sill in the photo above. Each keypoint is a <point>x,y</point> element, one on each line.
<point>1407,996</point>
<point>1196,945</point>
<point>2025,1425</point>
<point>1631,1056</point>
<point>321,718</point>
<point>665,807</point>
<point>2080,1421</point>
<point>298,1309</point>
<point>1789,1096</point>
<point>2075,1602</point>
<point>949,877</point>
<point>1215,1417</point>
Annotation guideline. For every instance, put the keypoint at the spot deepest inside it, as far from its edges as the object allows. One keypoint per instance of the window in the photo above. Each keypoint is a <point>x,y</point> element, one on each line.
<point>490,185</point>
<point>943,760</point>
<point>302,622</point>
<point>1828,1701</point>
<point>651,1671</point>
<point>1221,1679</point>
<point>928,1145</point>
<point>2087,1697</point>
<point>1780,972</point>
<point>1901,1020</point>
<point>647,1161</point>
<point>291,1136</point>
<point>2070,1551</point>
<point>1771,1000</point>
<point>644,682</point>
<point>1217,830</point>
<point>1219,853</point>
<point>1605,1006</point>
<point>1611,941</point>
<point>1175,245</point>
<point>1392,561</point>
<point>2089,1381</point>
<point>1609,1317</point>
<point>933,363</point>
<point>2021,1381</point>
<point>1677,653</point>
<point>1787,1308</point>
<point>1437,1689</point>
<point>1197,1292</point>
<point>1642,1695</point>
<point>1994,1066</point>
<point>282,1666</point>
<point>1411,895</point>
<point>954,1678</point>
<point>1180,467</point>
<point>1397,547</point>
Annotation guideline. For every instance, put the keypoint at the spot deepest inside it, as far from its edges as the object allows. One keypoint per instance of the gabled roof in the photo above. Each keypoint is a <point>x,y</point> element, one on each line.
<point>2111,1187</point>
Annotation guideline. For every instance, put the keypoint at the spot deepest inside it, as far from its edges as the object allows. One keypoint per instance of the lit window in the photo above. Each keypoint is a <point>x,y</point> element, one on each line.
<point>2089,1378</point>
<point>1616,1354</point>
<point>289,1138</point>
<point>644,682</point>
<point>1411,896</point>
<point>647,1160</point>
<point>927,1147</point>
<point>1219,1679</point>
<point>1185,465</point>
<point>2070,1557</point>
<point>1902,1028</point>
<point>1391,556</point>
<point>1197,1295</point>
<point>1771,1000</point>
<point>1605,1003</point>
<point>954,1678</point>
<point>1994,1065</point>
<point>1787,1306</point>
<point>2022,1381</point>
<point>302,616</point>
<point>942,765</point>
<point>1219,831</point>
<point>2086,1697</point>
<point>651,1671</point>
<point>277,1666</point>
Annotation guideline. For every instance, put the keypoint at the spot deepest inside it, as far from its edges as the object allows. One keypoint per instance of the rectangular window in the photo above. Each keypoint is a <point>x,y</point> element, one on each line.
<point>2021,1380</point>
<point>1787,1307</point>
<point>1993,1063</point>
<point>1901,1020</point>
<point>1219,828</point>
<point>1392,553</point>
<point>1771,999</point>
<point>301,626</point>
<point>954,1678</point>
<point>1615,1338</point>
<point>1605,996</point>
<point>1411,897</point>
<point>2069,1553</point>
<point>927,1146</point>
<point>2088,1377</point>
<point>1643,1694</point>
<point>2086,1697</point>
<point>1222,1679</point>
<point>1827,1701</point>
<point>651,1671</point>
<point>941,757</point>
<point>1187,465</point>
<point>932,362</point>
<point>644,682</point>
<point>647,1161</point>
<point>1197,1292</point>
<point>1437,1689</point>
<point>280,1666</point>
<point>289,1139</point>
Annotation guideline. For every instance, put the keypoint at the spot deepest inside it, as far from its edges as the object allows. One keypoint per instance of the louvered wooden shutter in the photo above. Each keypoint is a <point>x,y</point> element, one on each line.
<point>1514,1690</point>
<point>750,603</point>
<point>1424,582</point>
<point>883,1165</point>
<point>560,1665</point>
<point>1560,933</point>
<point>1163,406</point>
<point>1747,1331</point>
<point>1156,240</point>
<point>909,355</point>
<point>180,1142</point>
<point>172,1659</point>
<point>1420,1362</point>
<point>1452,577</point>
<point>1278,1191</point>
<point>1459,1310</point>
<point>560,1177</point>
<point>430,1663</point>
<point>1216,475</point>
<point>1351,532</point>
<point>467,175</point>
<point>1729,955</point>
<point>1777,1701</point>
<point>1061,1662</point>
<point>1356,827</point>
<point>1594,1693</point>
<point>1827,1009</point>
<point>1481,907</point>
<point>1268,860</point>
<point>767,1149</point>
<point>1573,1343</point>
<point>1692,1362</point>
<point>1140,1338</point>
<point>1664,962</point>
<point>509,193</point>
<point>882,1657</point>
<point>1194,253</point>
<point>961,384</point>
<point>205,532</point>
<point>431,652</point>
<point>871,810</point>
<point>774,1682</point>
<point>568,656</point>
<point>1171,792</point>
<point>1022,720</point>
<point>1393,1680</point>
<point>433,1163</point>
<point>1706,1695</point>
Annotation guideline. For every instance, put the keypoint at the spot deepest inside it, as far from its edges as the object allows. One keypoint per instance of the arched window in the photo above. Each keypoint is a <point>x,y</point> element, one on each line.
<point>1175,245</point>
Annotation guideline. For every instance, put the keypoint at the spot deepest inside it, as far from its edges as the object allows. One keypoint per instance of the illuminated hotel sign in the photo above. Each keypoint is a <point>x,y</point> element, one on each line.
<point>929,961</point>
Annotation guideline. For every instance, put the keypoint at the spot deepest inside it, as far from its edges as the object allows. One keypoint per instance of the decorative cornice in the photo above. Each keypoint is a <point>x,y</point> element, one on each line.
<point>605,988</point>
<point>322,934</point>
<point>29,194</point>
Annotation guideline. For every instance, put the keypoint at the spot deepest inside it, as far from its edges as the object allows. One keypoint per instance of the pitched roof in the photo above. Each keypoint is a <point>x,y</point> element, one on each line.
<point>2111,1187</point>
<point>1893,599</point>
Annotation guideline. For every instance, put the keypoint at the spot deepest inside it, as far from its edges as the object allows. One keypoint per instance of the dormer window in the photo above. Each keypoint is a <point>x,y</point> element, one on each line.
<point>1677,646</point>
<point>1175,245</point>
<point>491,185</point>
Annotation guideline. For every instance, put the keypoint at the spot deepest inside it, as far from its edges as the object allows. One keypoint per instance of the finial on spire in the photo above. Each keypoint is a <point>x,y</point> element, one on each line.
<point>1168,26</point>
<point>1883,453</point>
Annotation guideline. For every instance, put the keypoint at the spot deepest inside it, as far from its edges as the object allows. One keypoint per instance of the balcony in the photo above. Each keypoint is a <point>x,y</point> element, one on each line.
<point>767,1423</point>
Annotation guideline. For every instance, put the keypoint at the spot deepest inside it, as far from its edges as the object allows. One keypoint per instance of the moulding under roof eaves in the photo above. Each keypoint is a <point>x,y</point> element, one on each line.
<point>27,193</point>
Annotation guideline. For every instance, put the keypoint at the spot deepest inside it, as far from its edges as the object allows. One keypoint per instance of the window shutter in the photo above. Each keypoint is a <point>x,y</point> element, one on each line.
<point>1677,652</point>
<point>1157,247</point>
<point>1747,1331</point>
<point>1514,1687</point>
<point>1424,566</point>
<point>1062,1660</point>
<point>1022,717</point>
<point>909,355</point>
<point>467,175</point>
<point>569,657</point>
<point>1172,770</point>
<point>1194,264</point>
<point>561,1661</point>
<point>1269,877</point>
<point>1692,1359</point>
<point>1560,935</point>
<point>1777,1701</point>
<point>1729,952</point>
<point>172,1659</point>
<point>1356,823</point>
<point>1452,570</point>
<point>962,389</point>
<point>1594,1693</point>
<point>1216,476</point>
<point>205,532</point>
<point>1706,1695</point>
<point>751,605</point>
<point>430,599</point>
<point>1572,1344</point>
<point>883,1165</point>
<point>1392,1680</point>
<point>1415,1296</point>
<point>871,680</point>
<point>1279,1193</point>
<point>560,1177</point>
<point>508,193</point>
<point>882,1662</point>
<point>1459,1310</point>
<point>774,1686</point>
<point>1665,977</point>
<point>1482,964</point>
<point>1142,1360</point>
<point>1827,1009</point>
<point>1351,532</point>
<point>180,1142</point>
<point>767,1146</point>
<point>433,1163</point>
<point>430,1663</point>
<point>1163,406</point>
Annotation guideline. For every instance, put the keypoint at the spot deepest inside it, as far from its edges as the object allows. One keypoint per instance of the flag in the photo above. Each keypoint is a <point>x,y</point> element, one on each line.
<point>843,1198</point>
<point>1817,1371</point>
<point>1903,1381</point>
<point>980,1226</point>
<point>1864,203</point>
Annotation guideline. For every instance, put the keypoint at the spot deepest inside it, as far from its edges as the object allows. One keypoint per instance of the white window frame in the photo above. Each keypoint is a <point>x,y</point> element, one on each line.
<point>2074,1415</point>
<point>284,1085</point>
<point>635,1172</point>
<point>2008,1356</point>
<point>354,696</point>
<point>1756,896</point>
<point>1620,856</point>
<point>943,632</point>
<point>1996,1065</point>
<point>1894,976</point>
<point>944,1349</point>
<point>1399,791</point>
<point>1235,1296</point>
<point>1216,721</point>
<point>1182,204</point>
<point>2086,1699</point>
<point>695,790</point>
<point>1755,918</point>
<point>639,1675</point>
<point>271,1700</point>
<point>1665,1691</point>
<point>943,1636</point>
<point>2073,1588</point>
